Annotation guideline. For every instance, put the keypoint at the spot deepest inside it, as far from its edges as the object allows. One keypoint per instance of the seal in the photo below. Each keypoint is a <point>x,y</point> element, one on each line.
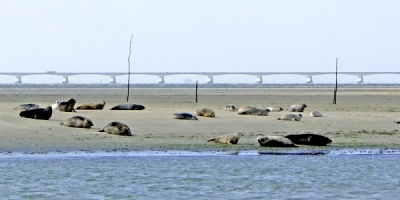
<point>205,112</point>
<point>77,122</point>
<point>230,107</point>
<point>92,106</point>
<point>315,113</point>
<point>184,115</point>
<point>67,106</point>
<point>297,108</point>
<point>291,117</point>
<point>55,106</point>
<point>128,106</point>
<point>309,139</point>
<point>397,120</point>
<point>255,111</point>
<point>274,109</point>
<point>227,139</point>
<point>26,106</point>
<point>117,128</point>
<point>275,141</point>
<point>37,113</point>
<point>244,108</point>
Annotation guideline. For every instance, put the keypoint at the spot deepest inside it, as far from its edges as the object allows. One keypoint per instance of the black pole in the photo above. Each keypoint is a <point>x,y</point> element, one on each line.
<point>129,67</point>
<point>334,92</point>
<point>196,89</point>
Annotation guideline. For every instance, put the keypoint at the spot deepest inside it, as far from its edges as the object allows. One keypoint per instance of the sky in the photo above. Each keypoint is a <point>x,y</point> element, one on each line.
<point>200,36</point>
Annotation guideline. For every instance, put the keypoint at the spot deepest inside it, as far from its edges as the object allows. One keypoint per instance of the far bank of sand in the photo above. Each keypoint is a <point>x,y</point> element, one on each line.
<point>362,117</point>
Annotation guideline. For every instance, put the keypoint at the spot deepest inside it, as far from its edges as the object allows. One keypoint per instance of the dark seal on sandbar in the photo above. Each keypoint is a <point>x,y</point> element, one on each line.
<point>184,115</point>
<point>309,139</point>
<point>37,113</point>
<point>128,106</point>
<point>67,106</point>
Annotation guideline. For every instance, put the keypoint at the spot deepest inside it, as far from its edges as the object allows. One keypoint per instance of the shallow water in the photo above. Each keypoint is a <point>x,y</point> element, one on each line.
<point>200,176</point>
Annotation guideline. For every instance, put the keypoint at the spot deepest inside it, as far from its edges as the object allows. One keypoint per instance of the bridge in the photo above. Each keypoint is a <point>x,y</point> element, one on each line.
<point>209,75</point>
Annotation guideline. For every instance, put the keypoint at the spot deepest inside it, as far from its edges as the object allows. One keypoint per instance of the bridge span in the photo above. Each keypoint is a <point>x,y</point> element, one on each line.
<point>209,75</point>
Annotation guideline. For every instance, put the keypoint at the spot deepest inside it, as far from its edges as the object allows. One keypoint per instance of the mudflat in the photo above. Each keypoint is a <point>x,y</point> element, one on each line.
<point>362,117</point>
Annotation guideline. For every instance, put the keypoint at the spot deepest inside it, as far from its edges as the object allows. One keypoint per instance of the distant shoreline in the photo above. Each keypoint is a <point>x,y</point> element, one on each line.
<point>204,85</point>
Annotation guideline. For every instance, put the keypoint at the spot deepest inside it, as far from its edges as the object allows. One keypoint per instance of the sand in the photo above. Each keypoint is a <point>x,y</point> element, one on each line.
<point>362,117</point>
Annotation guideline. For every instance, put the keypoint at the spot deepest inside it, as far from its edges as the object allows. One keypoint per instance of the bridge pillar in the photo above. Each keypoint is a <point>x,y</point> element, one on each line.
<point>161,79</point>
<point>210,79</point>
<point>18,79</point>
<point>360,79</point>
<point>65,79</point>
<point>309,79</point>
<point>259,79</point>
<point>113,79</point>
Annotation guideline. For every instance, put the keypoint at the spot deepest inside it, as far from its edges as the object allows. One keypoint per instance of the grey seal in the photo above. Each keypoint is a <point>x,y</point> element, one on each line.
<point>297,108</point>
<point>230,107</point>
<point>291,117</point>
<point>227,139</point>
<point>92,106</point>
<point>275,141</point>
<point>205,112</point>
<point>26,106</point>
<point>255,111</point>
<point>315,113</point>
<point>77,122</point>
<point>117,128</point>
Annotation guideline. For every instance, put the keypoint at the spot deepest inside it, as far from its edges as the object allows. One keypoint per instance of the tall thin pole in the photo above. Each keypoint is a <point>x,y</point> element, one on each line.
<point>334,93</point>
<point>129,67</point>
<point>196,89</point>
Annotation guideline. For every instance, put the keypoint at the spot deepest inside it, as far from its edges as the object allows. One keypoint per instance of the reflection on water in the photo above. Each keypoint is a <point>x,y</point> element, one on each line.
<point>182,176</point>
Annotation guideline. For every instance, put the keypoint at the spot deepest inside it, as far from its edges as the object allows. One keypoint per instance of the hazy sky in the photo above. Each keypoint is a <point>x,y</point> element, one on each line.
<point>199,36</point>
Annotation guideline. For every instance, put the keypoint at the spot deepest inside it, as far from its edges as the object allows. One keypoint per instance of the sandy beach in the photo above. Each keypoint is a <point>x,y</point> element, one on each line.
<point>362,117</point>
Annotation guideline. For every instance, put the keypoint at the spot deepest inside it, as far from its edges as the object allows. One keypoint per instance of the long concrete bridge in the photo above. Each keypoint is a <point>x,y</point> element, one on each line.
<point>209,75</point>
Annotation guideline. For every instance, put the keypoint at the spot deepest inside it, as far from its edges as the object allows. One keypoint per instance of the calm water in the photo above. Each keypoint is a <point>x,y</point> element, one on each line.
<point>201,177</point>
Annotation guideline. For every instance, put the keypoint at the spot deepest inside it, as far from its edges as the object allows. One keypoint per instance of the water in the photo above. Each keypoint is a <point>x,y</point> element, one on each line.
<point>333,176</point>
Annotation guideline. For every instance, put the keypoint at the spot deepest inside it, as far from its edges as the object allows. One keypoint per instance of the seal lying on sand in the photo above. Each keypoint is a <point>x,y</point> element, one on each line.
<point>205,112</point>
<point>274,109</point>
<point>37,113</point>
<point>315,113</point>
<point>184,115</point>
<point>397,120</point>
<point>92,106</point>
<point>275,141</point>
<point>291,117</point>
<point>26,106</point>
<point>255,111</point>
<point>244,108</point>
<point>117,128</point>
<point>67,106</point>
<point>227,139</point>
<point>297,108</point>
<point>309,139</point>
<point>128,106</point>
<point>55,106</point>
<point>230,107</point>
<point>78,122</point>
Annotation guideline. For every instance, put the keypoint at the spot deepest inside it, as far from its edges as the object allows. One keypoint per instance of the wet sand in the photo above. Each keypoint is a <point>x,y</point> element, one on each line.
<point>362,117</point>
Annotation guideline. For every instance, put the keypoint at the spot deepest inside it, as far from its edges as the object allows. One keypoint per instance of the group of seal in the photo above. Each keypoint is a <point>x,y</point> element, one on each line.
<point>35,112</point>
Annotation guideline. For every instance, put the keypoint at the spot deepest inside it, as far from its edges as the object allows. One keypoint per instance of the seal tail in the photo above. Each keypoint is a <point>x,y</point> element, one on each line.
<point>209,140</point>
<point>102,130</point>
<point>279,118</point>
<point>61,123</point>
